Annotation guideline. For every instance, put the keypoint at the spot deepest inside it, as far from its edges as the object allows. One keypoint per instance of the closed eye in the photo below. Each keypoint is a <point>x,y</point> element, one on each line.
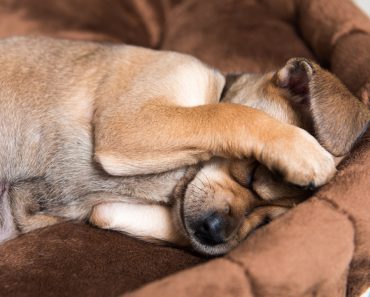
<point>250,178</point>
<point>243,174</point>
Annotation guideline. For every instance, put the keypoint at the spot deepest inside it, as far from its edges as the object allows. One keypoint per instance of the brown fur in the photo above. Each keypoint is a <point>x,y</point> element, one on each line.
<point>143,116</point>
<point>263,194</point>
<point>327,102</point>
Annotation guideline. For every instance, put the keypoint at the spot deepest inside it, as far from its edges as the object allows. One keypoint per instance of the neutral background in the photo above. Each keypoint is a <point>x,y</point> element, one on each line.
<point>364,4</point>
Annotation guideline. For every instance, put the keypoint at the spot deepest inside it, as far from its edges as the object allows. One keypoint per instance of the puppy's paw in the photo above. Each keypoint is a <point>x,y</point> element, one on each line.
<point>300,158</point>
<point>258,218</point>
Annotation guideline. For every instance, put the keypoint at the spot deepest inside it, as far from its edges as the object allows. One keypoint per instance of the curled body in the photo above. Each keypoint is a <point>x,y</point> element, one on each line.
<point>136,140</point>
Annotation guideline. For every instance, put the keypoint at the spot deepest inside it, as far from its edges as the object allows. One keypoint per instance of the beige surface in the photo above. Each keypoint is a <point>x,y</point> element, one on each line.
<point>365,6</point>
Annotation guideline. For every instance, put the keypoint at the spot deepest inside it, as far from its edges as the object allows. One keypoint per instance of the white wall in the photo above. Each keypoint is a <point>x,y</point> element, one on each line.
<point>364,5</point>
<point>366,294</point>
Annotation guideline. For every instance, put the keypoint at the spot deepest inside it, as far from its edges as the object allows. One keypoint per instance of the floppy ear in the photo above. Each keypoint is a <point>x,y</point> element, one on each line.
<point>230,79</point>
<point>364,94</point>
<point>336,117</point>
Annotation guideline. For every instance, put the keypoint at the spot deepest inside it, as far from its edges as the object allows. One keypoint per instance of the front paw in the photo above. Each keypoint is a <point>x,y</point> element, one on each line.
<point>299,158</point>
<point>260,217</point>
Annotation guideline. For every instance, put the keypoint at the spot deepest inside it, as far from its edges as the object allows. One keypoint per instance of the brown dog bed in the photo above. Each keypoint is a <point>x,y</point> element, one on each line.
<point>320,248</point>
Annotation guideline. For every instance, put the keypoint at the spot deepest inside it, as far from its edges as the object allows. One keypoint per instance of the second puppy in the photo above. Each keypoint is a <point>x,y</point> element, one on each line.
<point>104,133</point>
<point>217,204</point>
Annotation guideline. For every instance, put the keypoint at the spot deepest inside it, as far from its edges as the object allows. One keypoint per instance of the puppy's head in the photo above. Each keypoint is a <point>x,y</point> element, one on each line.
<point>303,94</point>
<point>225,200</point>
<point>217,207</point>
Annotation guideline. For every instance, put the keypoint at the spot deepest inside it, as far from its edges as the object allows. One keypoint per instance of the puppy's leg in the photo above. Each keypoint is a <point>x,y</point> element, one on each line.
<point>26,209</point>
<point>162,137</point>
<point>151,222</point>
<point>259,217</point>
<point>8,228</point>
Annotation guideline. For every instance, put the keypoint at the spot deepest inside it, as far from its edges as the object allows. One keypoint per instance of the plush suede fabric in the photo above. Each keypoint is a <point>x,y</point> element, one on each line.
<point>234,36</point>
<point>78,260</point>
<point>320,248</point>
<point>133,22</point>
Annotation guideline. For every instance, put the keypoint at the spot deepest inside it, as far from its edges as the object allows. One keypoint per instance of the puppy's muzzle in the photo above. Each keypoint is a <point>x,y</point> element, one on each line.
<point>212,229</point>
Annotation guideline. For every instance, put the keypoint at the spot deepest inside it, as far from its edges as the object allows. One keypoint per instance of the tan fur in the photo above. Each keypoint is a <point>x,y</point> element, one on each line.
<point>197,133</point>
<point>329,115</point>
<point>152,222</point>
<point>84,126</point>
<point>262,194</point>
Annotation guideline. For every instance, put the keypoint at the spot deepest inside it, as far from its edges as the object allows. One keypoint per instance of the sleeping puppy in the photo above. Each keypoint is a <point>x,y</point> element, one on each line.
<point>229,199</point>
<point>219,205</point>
<point>220,202</point>
<point>100,133</point>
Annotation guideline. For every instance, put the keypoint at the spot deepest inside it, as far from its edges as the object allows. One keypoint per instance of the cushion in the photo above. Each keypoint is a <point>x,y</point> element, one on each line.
<point>319,248</point>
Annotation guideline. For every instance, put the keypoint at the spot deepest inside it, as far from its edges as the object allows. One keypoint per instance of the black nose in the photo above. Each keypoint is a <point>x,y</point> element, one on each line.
<point>211,230</point>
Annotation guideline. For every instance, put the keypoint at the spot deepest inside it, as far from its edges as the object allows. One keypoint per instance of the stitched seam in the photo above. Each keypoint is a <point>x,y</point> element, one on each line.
<point>350,218</point>
<point>339,209</point>
<point>247,274</point>
<point>350,30</point>
<point>330,204</point>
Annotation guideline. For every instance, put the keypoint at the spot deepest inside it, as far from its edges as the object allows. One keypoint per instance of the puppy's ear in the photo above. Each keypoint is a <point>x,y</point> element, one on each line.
<point>230,79</point>
<point>335,116</point>
<point>364,94</point>
<point>295,76</point>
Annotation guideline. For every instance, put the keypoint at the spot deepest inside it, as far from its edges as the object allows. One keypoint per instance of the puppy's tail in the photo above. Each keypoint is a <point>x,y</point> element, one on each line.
<point>8,228</point>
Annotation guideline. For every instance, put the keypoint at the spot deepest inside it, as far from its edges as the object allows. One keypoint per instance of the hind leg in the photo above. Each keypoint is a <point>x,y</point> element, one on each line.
<point>8,229</point>
<point>149,222</point>
<point>26,206</point>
